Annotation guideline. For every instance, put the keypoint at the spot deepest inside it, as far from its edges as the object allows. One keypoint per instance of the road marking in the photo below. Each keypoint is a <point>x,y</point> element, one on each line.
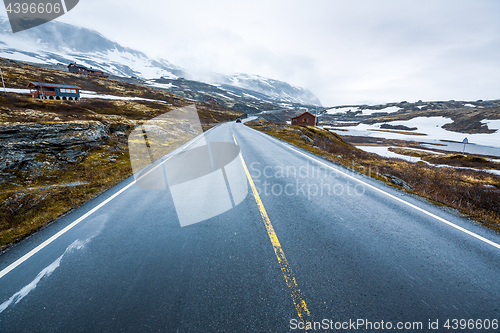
<point>297,298</point>
<point>28,255</point>
<point>59,234</point>
<point>70,226</point>
<point>390,195</point>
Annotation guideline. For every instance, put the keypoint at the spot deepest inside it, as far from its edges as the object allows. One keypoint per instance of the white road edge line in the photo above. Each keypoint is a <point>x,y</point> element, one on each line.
<point>28,255</point>
<point>60,233</point>
<point>390,195</point>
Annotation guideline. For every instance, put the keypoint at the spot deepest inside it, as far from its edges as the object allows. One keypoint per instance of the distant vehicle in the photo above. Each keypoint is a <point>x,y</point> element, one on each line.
<point>238,120</point>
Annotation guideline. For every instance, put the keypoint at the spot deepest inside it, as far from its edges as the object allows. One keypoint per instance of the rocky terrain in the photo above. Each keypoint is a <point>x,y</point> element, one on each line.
<point>29,148</point>
<point>466,115</point>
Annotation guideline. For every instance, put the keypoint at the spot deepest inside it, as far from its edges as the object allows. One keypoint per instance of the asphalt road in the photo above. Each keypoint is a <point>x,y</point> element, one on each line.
<point>355,250</point>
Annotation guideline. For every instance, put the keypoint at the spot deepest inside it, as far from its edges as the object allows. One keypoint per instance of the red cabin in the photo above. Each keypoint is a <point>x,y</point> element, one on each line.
<point>305,119</point>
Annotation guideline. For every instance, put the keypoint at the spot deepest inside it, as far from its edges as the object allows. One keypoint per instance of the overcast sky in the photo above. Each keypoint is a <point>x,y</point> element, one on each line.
<point>345,52</point>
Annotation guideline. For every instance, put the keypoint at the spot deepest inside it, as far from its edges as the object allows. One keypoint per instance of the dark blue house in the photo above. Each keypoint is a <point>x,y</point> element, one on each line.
<point>54,91</point>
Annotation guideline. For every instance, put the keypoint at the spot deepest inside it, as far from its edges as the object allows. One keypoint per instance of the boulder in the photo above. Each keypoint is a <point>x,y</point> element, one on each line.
<point>397,181</point>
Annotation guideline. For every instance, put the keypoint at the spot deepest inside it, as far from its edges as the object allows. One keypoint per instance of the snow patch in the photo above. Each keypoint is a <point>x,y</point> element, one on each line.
<point>364,112</point>
<point>161,85</point>
<point>342,110</point>
<point>385,152</point>
<point>492,124</point>
<point>92,94</point>
<point>433,128</point>
<point>224,96</point>
<point>16,91</point>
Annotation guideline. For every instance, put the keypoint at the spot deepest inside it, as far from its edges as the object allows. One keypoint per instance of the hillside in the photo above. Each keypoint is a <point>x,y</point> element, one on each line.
<point>58,154</point>
<point>467,117</point>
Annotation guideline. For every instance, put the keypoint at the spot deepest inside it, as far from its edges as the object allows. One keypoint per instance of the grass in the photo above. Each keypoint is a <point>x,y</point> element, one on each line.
<point>27,206</point>
<point>412,152</point>
<point>16,108</point>
<point>474,193</point>
<point>454,159</point>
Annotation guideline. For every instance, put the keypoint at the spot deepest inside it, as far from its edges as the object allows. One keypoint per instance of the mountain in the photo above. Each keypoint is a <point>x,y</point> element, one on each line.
<point>240,99</point>
<point>60,43</point>
<point>57,43</point>
<point>275,89</point>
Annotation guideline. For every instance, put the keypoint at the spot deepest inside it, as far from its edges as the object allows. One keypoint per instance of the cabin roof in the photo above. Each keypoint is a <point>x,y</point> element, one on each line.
<point>51,85</point>
<point>75,64</point>
<point>85,67</point>
<point>300,115</point>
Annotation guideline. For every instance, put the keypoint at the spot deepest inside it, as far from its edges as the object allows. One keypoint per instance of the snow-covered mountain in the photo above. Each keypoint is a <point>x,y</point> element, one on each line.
<point>275,89</point>
<point>60,43</point>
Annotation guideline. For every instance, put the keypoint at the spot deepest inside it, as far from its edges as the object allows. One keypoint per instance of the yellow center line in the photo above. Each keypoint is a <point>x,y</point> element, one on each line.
<point>297,298</point>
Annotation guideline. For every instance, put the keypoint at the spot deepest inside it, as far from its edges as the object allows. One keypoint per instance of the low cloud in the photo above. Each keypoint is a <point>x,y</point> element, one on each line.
<point>345,52</point>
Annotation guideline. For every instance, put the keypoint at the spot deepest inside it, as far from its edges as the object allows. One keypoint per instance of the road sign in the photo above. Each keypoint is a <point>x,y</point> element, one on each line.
<point>465,141</point>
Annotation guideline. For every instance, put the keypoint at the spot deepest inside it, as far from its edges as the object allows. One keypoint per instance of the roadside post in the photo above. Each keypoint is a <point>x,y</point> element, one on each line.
<point>3,83</point>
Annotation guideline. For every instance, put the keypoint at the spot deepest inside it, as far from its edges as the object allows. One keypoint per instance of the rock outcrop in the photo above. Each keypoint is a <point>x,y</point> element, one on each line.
<point>28,146</point>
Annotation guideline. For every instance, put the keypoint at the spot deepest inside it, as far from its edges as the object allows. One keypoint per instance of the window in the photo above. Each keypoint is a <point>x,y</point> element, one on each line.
<point>67,91</point>
<point>305,120</point>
